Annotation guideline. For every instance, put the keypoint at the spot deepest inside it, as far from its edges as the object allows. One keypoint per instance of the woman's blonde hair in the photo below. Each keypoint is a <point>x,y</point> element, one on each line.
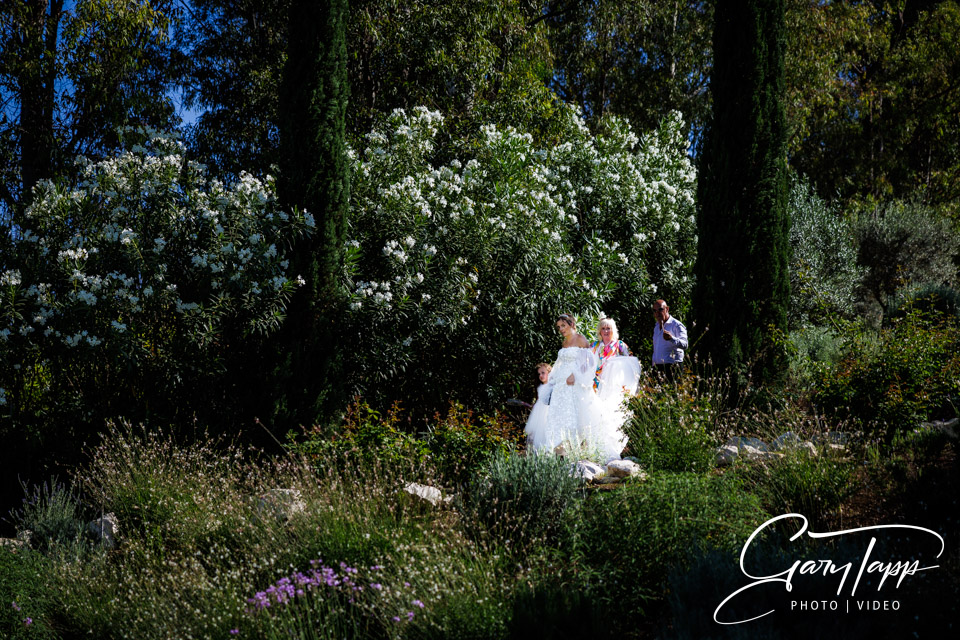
<point>614,334</point>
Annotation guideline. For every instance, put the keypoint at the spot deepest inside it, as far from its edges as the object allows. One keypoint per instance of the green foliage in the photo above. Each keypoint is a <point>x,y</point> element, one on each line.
<point>824,274</point>
<point>52,513</point>
<point>453,446</point>
<point>937,299</point>
<point>904,244</point>
<point>871,101</point>
<point>635,59</point>
<point>142,290</point>
<point>450,260</point>
<point>630,538</point>
<point>800,482</point>
<point>28,604</point>
<point>909,375</point>
<point>478,62</point>
<point>459,444</point>
<point>233,57</point>
<point>521,498</point>
<point>742,275</point>
<point>70,76</point>
<point>314,177</point>
<point>676,427</point>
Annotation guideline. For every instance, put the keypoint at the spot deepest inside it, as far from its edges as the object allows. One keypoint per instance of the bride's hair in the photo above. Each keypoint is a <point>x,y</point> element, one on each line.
<point>566,317</point>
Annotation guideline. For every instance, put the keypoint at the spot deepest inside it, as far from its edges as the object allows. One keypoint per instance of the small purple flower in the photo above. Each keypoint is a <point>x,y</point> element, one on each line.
<point>16,607</point>
<point>396,618</point>
<point>406,584</point>
<point>27,622</point>
<point>377,586</point>
<point>234,632</point>
<point>409,615</point>
<point>417,603</point>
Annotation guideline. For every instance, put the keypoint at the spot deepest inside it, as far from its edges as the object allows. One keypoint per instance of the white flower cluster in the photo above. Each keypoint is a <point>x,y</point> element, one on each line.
<point>162,253</point>
<point>572,225</point>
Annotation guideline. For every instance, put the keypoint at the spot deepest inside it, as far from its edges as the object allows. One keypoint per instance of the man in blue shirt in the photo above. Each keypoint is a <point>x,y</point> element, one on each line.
<point>669,341</point>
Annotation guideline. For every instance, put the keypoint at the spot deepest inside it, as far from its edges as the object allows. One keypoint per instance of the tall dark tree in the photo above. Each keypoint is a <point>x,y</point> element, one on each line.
<point>743,282</point>
<point>70,74</point>
<point>632,58</point>
<point>314,176</point>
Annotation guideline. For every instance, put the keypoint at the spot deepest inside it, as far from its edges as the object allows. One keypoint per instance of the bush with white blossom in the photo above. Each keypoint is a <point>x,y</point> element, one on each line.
<point>460,256</point>
<point>137,284</point>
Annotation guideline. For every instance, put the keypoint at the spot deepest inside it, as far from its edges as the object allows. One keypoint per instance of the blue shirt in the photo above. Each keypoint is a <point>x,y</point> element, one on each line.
<point>667,351</point>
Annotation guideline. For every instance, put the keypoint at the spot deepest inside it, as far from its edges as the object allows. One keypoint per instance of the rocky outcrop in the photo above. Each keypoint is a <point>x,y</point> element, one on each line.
<point>105,530</point>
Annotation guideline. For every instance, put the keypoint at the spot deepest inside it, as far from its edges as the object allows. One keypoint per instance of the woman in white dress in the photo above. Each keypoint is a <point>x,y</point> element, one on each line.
<point>616,377</point>
<point>574,413</point>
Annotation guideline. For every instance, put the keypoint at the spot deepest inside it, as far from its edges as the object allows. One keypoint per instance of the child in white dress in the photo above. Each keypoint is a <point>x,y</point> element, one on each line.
<point>537,422</point>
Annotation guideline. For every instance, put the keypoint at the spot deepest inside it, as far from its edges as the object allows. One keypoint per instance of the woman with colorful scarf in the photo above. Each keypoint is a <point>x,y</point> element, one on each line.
<point>616,377</point>
<point>608,346</point>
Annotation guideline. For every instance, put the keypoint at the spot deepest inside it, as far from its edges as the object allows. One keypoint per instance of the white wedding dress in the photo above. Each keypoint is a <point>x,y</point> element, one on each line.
<point>573,417</point>
<point>619,379</point>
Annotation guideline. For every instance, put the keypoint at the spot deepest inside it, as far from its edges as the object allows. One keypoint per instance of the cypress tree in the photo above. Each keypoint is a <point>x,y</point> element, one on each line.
<point>743,283</point>
<point>314,176</point>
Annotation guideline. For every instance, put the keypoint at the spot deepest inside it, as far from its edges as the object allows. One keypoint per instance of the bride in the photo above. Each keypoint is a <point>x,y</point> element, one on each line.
<point>574,415</point>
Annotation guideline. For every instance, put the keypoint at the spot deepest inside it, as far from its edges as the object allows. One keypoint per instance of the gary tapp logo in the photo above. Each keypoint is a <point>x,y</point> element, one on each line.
<point>869,567</point>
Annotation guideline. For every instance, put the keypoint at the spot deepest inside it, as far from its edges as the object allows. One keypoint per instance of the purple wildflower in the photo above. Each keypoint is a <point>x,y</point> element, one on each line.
<point>234,632</point>
<point>27,622</point>
<point>377,586</point>
<point>417,603</point>
<point>16,607</point>
<point>396,618</point>
<point>409,615</point>
<point>406,584</point>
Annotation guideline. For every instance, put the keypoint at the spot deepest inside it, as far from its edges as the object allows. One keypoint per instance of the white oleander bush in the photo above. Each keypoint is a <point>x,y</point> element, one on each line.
<point>461,254</point>
<point>133,286</point>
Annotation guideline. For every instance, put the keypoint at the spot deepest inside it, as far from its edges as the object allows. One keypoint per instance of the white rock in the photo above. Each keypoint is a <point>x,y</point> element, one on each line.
<point>586,469</point>
<point>785,440</point>
<point>622,468</point>
<point>425,493</point>
<point>282,503</point>
<point>753,453</point>
<point>947,427</point>
<point>106,529</point>
<point>726,455</point>
<point>740,442</point>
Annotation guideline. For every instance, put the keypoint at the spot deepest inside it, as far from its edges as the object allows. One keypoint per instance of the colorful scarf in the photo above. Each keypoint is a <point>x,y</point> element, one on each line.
<point>603,352</point>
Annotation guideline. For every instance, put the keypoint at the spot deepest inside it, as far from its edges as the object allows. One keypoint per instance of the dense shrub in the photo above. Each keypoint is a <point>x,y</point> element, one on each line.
<point>677,427</point>
<point>521,498</point>
<point>51,513</point>
<point>141,291</point>
<point>457,267</point>
<point>926,297</point>
<point>901,244</point>
<point>909,374</point>
<point>629,539</point>
<point>453,445</point>
<point>26,601</point>
<point>824,274</point>
<point>814,485</point>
